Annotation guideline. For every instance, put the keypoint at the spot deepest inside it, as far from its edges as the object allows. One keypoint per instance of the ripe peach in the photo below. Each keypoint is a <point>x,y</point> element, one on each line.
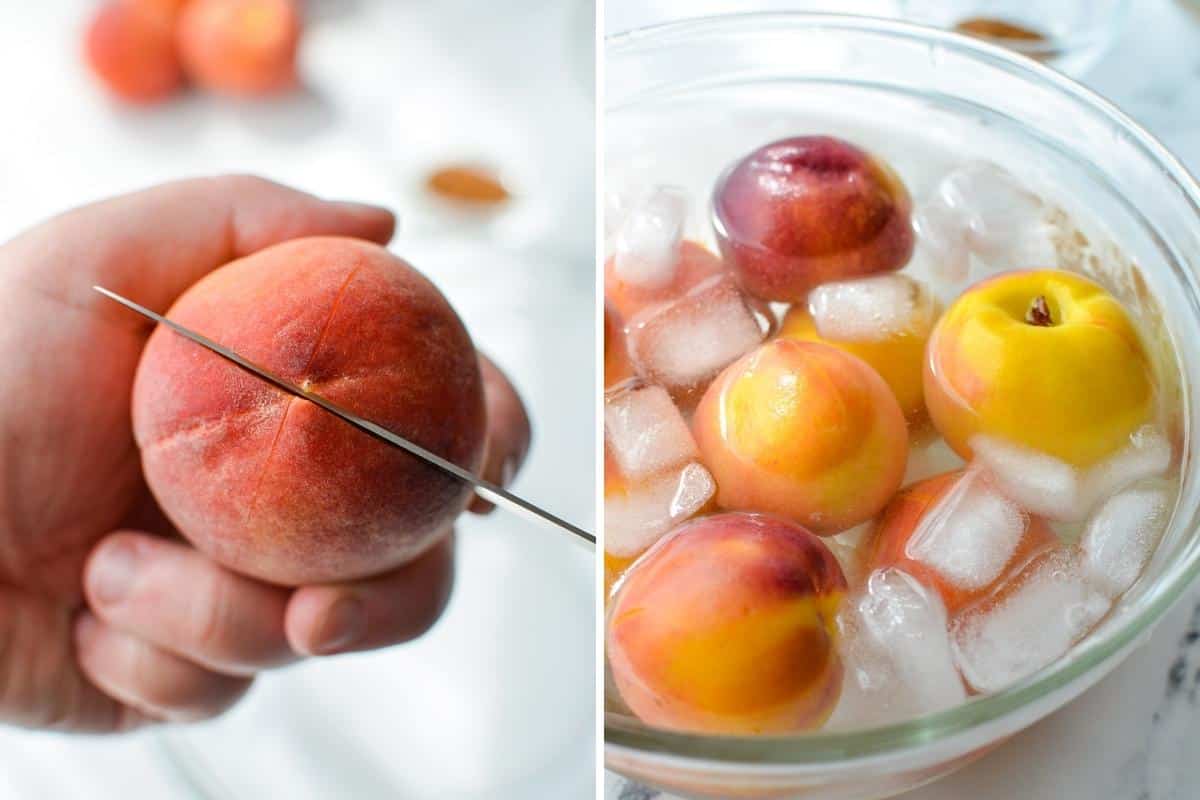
<point>695,264</point>
<point>617,366</point>
<point>240,47</point>
<point>1041,358</point>
<point>903,517</point>
<point>131,49</point>
<point>804,430</point>
<point>728,625</point>
<point>899,358</point>
<point>169,7</point>
<point>273,486</point>
<point>804,211</point>
<point>614,568</point>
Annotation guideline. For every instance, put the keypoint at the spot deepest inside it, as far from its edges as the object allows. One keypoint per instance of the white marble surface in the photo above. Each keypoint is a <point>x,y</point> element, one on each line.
<point>497,701</point>
<point>1133,736</point>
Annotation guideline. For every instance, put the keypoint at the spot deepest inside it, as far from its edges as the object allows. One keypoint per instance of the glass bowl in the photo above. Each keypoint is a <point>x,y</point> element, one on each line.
<point>722,86</point>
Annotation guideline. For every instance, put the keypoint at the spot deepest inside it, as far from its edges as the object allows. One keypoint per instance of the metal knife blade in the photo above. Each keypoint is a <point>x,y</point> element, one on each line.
<point>485,489</point>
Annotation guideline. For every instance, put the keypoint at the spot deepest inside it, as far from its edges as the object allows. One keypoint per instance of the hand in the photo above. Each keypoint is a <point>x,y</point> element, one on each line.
<point>107,619</point>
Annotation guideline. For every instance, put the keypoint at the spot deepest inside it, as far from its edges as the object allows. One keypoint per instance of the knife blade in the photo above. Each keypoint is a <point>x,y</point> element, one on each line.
<point>485,489</point>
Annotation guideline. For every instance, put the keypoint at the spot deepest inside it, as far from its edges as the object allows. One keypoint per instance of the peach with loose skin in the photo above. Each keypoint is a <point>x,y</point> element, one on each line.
<point>803,430</point>
<point>1046,359</point>
<point>808,210</point>
<point>727,625</point>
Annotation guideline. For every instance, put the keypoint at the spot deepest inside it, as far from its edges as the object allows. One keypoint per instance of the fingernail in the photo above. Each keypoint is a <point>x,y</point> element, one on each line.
<point>112,572</point>
<point>361,209</point>
<point>343,626</point>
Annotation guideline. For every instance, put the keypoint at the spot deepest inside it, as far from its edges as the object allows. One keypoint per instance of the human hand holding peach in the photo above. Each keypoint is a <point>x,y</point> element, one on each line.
<point>109,620</point>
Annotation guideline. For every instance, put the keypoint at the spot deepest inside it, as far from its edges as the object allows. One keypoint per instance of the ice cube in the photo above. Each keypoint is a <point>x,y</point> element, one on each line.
<point>1000,221</point>
<point>1032,621</point>
<point>942,240</point>
<point>996,208</point>
<point>646,248</point>
<point>971,534</point>
<point>685,342</point>
<point>1121,536</point>
<point>896,652</point>
<point>871,309</point>
<point>1148,455</point>
<point>1051,488</point>
<point>642,512</point>
<point>645,431</point>
<point>1038,482</point>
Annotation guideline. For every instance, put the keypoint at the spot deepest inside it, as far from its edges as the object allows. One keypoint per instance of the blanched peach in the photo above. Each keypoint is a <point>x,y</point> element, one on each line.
<point>919,509</point>
<point>696,263</point>
<point>808,210</point>
<point>614,569</point>
<point>273,486</point>
<point>728,625</point>
<point>240,47</point>
<point>804,430</point>
<point>617,366</point>
<point>1041,358</point>
<point>131,48</point>
<point>898,356</point>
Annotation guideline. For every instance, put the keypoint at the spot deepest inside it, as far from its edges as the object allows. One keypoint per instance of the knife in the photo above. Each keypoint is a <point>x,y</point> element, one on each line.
<point>488,491</point>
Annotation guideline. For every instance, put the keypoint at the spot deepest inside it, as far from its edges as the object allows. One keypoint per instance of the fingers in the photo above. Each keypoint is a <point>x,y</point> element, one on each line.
<point>508,432</point>
<point>152,245</point>
<point>174,598</point>
<point>148,679</point>
<point>376,612</point>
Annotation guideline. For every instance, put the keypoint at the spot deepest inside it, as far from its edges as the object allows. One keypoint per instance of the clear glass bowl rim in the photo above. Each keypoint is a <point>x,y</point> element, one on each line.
<point>826,748</point>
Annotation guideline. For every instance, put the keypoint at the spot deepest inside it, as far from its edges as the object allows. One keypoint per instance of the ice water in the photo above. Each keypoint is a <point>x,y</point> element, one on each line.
<point>1018,561</point>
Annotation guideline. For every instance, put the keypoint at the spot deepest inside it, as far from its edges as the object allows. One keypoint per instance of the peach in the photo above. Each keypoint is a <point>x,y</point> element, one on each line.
<point>893,533</point>
<point>898,358</point>
<point>728,625</point>
<point>131,48</point>
<point>169,7</point>
<point>803,430</point>
<point>1046,359</point>
<point>804,211</point>
<point>614,568</point>
<point>273,486</point>
<point>240,47</point>
<point>696,263</point>
<point>617,366</point>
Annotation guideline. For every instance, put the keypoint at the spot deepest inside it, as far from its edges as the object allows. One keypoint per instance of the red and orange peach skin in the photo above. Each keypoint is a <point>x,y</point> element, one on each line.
<point>803,430</point>
<point>728,625</point>
<point>696,263</point>
<point>240,47</point>
<point>274,487</point>
<point>617,365</point>
<point>130,47</point>
<point>808,210</point>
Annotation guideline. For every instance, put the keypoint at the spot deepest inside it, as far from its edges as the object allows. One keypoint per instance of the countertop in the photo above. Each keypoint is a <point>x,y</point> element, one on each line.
<point>1133,736</point>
